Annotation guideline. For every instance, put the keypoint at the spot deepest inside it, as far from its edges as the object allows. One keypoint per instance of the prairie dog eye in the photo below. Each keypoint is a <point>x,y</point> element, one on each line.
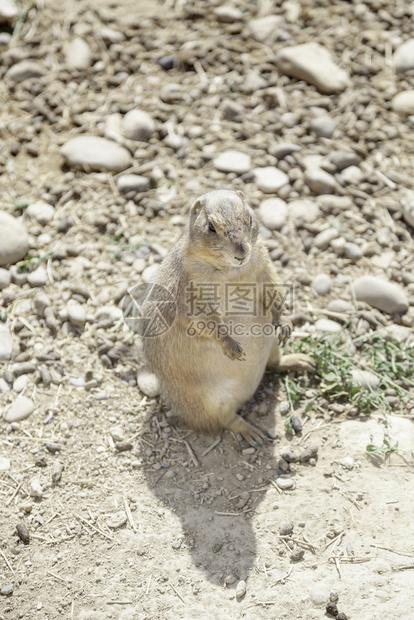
<point>211,227</point>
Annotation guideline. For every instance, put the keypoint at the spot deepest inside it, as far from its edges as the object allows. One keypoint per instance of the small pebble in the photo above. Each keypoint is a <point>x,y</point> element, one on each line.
<point>36,489</point>
<point>241,589</point>
<point>297,555</point>
<point>286,528</point>
<point>285,483</point>
<point>117,520</point>
<point>296,424</point>
<point>177,543</point>
<point>332,609</point>
<point>322,284</point>
<point>23,533</point>
<point>7,590</point>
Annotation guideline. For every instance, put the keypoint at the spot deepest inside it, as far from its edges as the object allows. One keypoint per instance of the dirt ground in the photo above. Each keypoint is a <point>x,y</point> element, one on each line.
<point>131,516</point>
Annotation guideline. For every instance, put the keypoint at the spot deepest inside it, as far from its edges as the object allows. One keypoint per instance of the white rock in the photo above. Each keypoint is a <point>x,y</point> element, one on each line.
<point>25,70</point>
<point>328,326</point>
<point>303,210</point>
<point>343,159</point>
<point>76,314</point>
<point>96,153</point>
<point>117,433</point>
<point>285,483</point>
<point>264,28</point>
<point>232,161</point>
<point>38,277</point>
<point>111,314</point>
<point>8,10</point>
<point>4,463</point>
<point>138,125</point>
<point>324,238</point>
<point>320,181</point>
<point>228,14</point>
<point>364,378</point>
<point>352,175</point>
<point>283,149</point>
<point>20,409</point>
<point>148,382</point>
<point>109,35</point>
<point>322,284</point>
<point>6,343</point>
<point>340,305</point>
<point>403,59</point>
<point>273,213</point>
<point>20,383</point>
<point>323,126</point>
<point>41,211</point>
<point>78,54</point>
<point>347,462</point>
<point>132,182</point>
<point>113,127</point>
<point>407,204</point>
<point>14,240</point>
<point>319,594</point>
<point>403,103</point>
<point>381,294</point>
<point>148,275</point>
<point>241,589</point>
<point>269,179</point>
<point>313,63</point>
<point>5,278</point>
<point>36,489</point>
<point>4,386</point>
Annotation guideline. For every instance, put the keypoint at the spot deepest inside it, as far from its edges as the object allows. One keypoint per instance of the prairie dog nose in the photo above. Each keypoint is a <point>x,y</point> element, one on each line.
<point>241,250</point>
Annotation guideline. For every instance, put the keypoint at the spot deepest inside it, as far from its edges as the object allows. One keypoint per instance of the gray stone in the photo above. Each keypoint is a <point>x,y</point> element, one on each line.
<point>232,161</point>
<point>148,382</point>
<point>323,126</point>
<point>25,70</point>
<point>232,110</point>
<point>335,202</point>
<point>41,211</point>
<point>320,181</point>
<point>20,409</point>
<point>352,251</point>
<point>38,277</point>
<point>132,182</point>
<point>14,240</point>
<point>305,210</point>
<point>7,590</point>
<point>322,284</point>
<point>78,54</point>
<point>340,305</point>
<point>313,63</point>
<point>138,125</point>
<point>4,463</point>
<point>269,179</point>
<point>117,520</point>
<point>403,59</point>
<point>403,103</point>
<point>285,483</point>
<point>381,294</point>
<point>273,213</point>
<point>286,528</point>
<point>109,314</point>
<point>283,149</point>
<point>96,153</point>
<point>20,383</point>
<point>407,204</point>
<point>343,159</point>
<point>5,278</point>
<point>264,28</point>
<point>4,386</point>
<point>324,238</point>
<point>364,378</point>
<point>8,11</point>
<point>6,343</point>
<point>76,314</point>
<point>327,326</point>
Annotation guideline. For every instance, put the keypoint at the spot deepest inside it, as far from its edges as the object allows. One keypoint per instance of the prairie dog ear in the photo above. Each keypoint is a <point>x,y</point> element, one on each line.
<point>196,208</point>
<point>240,194</point>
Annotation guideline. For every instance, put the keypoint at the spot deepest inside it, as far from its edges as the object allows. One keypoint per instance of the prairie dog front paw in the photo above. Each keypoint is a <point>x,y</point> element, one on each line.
<point>232,348</point>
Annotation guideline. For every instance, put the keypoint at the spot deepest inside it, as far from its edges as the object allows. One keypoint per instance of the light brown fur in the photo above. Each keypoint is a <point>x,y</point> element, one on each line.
<point>208,376</point>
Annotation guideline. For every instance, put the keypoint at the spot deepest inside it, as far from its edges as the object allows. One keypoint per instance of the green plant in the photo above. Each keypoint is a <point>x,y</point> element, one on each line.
<point>383,450</point>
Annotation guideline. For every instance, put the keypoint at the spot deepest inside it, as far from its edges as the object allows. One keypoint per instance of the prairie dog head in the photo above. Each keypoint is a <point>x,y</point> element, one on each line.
<point>223,229</point>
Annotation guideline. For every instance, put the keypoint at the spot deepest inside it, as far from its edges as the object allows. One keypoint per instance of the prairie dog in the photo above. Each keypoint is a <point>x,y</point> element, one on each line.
<point>229,317</point>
